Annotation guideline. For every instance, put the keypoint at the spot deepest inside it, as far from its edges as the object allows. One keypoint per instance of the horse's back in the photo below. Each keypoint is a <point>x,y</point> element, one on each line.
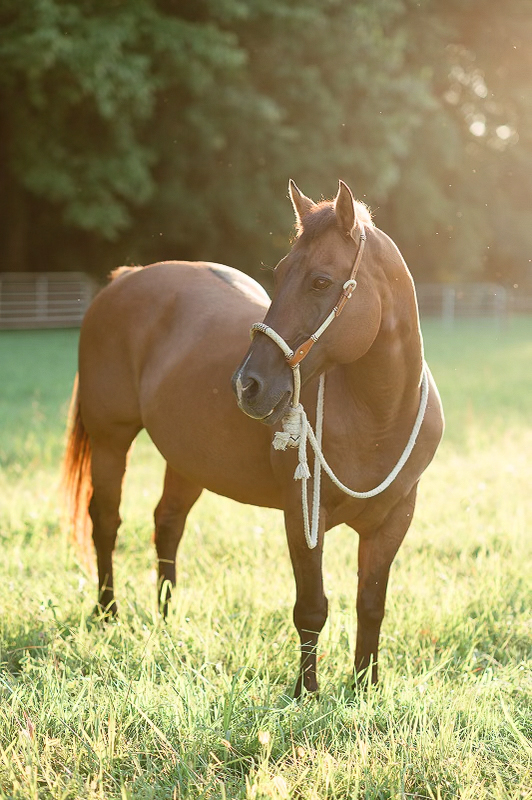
<point>139,296</point>
<point>141,307</point>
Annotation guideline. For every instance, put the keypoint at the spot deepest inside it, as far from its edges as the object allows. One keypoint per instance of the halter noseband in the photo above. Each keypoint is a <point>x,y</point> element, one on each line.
<point>294,358</point>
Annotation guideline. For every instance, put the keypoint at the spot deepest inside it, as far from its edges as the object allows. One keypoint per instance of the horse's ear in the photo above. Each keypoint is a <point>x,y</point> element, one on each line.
<point>344,206</point>
<point>302,204</point>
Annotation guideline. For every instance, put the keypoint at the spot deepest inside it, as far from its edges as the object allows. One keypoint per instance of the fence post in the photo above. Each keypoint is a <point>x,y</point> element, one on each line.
<point>41,306</point>
<point>448,305</point>
<point>501,305</point>
<point>86,294</point>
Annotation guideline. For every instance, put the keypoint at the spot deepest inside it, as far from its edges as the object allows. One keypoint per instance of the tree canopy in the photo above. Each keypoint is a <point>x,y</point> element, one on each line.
<point>138,130</point>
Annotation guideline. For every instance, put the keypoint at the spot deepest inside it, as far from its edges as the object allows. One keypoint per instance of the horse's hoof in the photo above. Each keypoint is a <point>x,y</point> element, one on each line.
<point>364,679</point>
<point>105,613</point>
<point>309,687</point>
<point>164,598</point>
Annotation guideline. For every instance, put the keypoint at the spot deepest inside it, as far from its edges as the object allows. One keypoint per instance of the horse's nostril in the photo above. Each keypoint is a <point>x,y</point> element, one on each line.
<point>251,388</point>
<point>246,387</point>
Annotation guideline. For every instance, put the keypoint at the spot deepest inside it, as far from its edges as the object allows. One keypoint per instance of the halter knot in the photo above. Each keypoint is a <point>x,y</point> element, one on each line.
<point>291,432</point>
<point>295,434</point>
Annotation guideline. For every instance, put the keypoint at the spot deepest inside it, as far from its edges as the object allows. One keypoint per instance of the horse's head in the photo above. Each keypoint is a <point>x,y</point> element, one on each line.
<point>309,283</point>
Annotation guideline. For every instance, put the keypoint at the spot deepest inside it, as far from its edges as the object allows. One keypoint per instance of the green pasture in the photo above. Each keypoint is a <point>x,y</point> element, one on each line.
<point>200,707</point>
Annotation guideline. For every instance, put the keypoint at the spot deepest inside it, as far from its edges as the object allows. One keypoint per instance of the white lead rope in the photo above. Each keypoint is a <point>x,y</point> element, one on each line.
<point>297,431</point>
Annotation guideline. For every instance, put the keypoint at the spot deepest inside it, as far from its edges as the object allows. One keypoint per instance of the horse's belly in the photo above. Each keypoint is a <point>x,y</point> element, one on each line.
<point>198,428</point>
<point>236,474</point>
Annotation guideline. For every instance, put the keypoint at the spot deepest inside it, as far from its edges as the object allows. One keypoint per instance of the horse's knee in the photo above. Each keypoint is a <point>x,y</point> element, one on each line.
<point>311,619</point>
<point>370,607</point>
<point>171,511</point>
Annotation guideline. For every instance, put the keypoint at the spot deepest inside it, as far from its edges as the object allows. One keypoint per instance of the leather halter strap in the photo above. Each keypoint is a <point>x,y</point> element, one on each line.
<point>294,358</point>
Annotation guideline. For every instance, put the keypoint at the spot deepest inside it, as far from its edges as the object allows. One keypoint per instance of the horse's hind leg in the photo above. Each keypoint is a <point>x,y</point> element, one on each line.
<point>108,465</point>
<point>179,495</point>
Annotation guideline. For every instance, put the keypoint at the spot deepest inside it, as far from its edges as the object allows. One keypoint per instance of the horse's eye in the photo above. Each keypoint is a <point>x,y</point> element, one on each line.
<point>321,283</point>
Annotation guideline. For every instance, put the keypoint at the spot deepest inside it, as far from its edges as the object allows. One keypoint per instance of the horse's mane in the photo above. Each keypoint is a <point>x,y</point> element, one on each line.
<point>119,271</point>
<point>322,218</point>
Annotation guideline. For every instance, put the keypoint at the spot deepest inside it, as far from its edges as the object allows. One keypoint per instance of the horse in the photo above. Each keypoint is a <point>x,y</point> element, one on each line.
<point>167,348</point>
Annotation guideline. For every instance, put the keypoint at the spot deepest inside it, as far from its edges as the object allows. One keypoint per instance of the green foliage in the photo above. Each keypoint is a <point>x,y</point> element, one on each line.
<point>152,129</point>
<point>200,706</point>
<point>81,81</point>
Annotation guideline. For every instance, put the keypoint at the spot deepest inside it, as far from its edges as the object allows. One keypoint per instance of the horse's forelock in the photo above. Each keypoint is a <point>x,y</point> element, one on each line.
<point>363,213</point>
<point>322,218</point>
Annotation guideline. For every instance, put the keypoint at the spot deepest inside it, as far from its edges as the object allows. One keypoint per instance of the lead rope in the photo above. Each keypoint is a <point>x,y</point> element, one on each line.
<point>297,432</point>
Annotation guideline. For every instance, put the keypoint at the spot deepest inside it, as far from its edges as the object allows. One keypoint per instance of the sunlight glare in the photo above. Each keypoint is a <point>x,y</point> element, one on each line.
<point>478,127</point>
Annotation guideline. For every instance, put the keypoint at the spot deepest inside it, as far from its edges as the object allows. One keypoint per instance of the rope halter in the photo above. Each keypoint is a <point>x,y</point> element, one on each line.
<point>297,430</point>
<point>294,358</point>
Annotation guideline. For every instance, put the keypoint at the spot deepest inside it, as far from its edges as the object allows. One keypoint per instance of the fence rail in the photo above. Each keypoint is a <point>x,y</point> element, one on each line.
<point>452,301</point>
<point>60,299</point>
<point>44,299</point>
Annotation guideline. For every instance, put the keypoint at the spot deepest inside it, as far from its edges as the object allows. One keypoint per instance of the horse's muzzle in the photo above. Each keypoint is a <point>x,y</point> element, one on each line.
<point>266,401</point>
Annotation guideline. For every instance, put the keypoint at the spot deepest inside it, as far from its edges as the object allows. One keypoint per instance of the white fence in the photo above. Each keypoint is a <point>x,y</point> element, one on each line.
<point>60,299</point>
<point>451,301</point>
<point>44,299</point>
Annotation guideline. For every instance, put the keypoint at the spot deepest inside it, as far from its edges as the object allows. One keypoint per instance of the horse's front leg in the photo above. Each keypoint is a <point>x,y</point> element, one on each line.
<point>376,552</point>
<point>310,609</point>
<point>179,495</point>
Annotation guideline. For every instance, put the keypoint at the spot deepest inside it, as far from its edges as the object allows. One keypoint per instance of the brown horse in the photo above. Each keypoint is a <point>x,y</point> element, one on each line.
<point>157,350</point>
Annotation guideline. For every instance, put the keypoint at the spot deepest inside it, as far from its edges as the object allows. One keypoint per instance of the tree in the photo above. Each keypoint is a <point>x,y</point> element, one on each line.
<point>461,205</point>
<point>79,83</point>
<point>152,129</point>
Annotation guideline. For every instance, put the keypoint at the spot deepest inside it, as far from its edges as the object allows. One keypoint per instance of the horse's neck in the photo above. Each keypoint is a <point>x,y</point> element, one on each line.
<point>385,382</point>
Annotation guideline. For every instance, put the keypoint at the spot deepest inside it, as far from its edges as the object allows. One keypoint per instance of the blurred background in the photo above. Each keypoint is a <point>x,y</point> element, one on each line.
<point>145,130</point>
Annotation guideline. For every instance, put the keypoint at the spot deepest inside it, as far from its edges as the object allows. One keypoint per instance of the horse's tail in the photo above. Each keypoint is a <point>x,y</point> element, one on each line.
<point>76,478</point>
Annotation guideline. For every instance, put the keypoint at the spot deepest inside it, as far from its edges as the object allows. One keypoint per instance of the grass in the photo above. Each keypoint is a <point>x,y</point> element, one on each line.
<point>200,707</point>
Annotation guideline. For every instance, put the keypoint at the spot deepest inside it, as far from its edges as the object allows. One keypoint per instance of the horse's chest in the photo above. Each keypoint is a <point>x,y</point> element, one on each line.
<point>360,463</point>
<point>361,513</point>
